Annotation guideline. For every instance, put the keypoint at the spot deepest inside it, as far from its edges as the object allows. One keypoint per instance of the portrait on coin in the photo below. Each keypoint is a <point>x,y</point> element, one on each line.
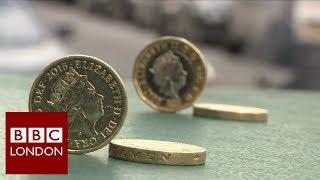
<point>73,93</point>
<point>169,75</point>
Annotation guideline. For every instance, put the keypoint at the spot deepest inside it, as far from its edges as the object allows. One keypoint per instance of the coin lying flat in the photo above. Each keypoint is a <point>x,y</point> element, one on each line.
<point>231,112</point>
<point>157,152</point>
<point>90,91</point>
<point>169,74</point>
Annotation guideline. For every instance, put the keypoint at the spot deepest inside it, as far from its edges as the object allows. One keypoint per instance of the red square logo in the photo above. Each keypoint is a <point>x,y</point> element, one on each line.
<point>36,143</point>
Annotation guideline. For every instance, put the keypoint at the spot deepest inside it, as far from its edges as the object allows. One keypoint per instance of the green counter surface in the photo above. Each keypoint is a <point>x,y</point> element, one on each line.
<point>287,146</point>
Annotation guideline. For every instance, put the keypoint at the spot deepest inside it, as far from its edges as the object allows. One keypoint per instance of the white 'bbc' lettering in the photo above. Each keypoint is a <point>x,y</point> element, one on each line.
<point>35,135</point>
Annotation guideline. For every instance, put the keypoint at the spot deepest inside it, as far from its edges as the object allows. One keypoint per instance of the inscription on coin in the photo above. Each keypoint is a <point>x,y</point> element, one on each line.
<point>169,74</point>
<point>90,91</point>
<point>138,155</point>
<point>157,152</point>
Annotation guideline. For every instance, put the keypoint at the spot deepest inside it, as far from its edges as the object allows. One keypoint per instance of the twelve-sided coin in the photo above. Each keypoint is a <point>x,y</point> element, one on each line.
<point>169,74</point>
<point>230,112</point>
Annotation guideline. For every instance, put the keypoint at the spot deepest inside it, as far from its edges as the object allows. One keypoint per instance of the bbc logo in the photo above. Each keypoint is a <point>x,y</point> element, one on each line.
<point>36,142</point>
<point>36,135</point>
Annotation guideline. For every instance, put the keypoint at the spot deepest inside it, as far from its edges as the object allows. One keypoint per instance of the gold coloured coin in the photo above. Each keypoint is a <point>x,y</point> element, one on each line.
<point>231,112</point>
<point>90,91</point>
<point>169,74</point>
<point>157,152</point>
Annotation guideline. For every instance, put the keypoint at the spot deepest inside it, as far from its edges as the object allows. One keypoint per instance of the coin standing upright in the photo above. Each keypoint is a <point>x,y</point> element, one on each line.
<point>90,91</point>
<point>169,74</point>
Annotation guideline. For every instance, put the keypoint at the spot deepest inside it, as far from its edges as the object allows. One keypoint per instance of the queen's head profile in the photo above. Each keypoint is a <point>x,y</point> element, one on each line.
<point>73,93</point>
<point>168,74</point>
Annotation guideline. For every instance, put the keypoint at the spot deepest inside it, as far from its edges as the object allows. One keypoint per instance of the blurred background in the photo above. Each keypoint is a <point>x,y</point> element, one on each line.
<point>266,44</point>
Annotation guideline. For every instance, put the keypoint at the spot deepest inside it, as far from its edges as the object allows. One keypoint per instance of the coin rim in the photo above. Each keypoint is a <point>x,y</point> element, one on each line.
<point>136,82</point>
<point>123,91</point>
<point>205,106</point>
<point>113,142</point>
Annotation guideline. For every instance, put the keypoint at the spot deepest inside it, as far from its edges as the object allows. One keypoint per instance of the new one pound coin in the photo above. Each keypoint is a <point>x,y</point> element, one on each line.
<point>169,74</point>
<point>231,112</point>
